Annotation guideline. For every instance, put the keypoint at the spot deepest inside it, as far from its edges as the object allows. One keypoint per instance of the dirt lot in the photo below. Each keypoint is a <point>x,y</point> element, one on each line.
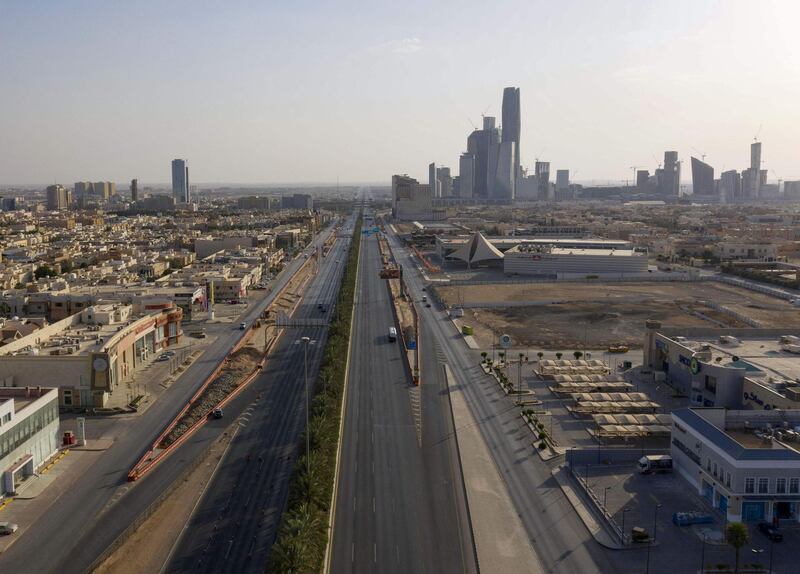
<point>566,315</point>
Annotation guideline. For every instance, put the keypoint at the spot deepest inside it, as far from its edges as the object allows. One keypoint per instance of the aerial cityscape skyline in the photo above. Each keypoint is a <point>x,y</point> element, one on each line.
<point>601,90</point>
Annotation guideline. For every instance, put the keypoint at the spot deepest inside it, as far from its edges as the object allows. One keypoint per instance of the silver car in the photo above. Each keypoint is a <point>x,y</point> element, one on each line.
<point>7,528</point>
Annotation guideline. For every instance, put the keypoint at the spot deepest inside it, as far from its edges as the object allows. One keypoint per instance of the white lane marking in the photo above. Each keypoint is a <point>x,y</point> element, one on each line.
<point>374,552</point>
<point>354,503</point>
<point>353,552</point>
<point>373,467</point>
<point>372,437</point>
<point>373,505</point>
<point>356,467</point>
<point>397,551</point>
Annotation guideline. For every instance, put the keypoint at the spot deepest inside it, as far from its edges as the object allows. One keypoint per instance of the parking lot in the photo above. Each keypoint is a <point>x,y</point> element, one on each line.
<point>634,499</point>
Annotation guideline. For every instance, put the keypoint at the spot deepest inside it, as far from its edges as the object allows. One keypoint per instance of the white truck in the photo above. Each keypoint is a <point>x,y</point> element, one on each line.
<point>655,463</point>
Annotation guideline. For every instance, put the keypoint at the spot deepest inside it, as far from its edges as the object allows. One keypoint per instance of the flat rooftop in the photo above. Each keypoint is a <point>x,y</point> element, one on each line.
<point>762,357</point>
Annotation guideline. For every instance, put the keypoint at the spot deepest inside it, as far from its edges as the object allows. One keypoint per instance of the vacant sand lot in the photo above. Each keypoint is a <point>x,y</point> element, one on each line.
<point>567,315</point>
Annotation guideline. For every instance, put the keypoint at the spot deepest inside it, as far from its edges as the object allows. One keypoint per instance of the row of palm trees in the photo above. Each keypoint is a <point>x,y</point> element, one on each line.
<point>540,354</point>
<point>303,534</point>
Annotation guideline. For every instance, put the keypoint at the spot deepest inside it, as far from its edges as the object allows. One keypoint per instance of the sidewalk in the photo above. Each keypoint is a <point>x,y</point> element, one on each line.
<point>500,538</point>
<point>41,491</point>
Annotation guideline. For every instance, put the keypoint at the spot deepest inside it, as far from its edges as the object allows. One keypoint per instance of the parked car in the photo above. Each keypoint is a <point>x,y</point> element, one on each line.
<point>7,528</point>
<point>242,326</point>
<point>427,304</point>
<point>770,531</point>
<point>162,358</point>
<point>216,413</point>
<point>169,353</point>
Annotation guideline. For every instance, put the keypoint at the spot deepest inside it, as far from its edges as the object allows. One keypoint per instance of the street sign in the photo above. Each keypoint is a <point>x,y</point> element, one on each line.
<point>505,341</point>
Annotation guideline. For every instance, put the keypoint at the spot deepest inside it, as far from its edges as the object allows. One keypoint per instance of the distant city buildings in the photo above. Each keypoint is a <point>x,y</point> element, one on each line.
<point>512,126</point>
<point>180,181</point>
<point>542,171</point>
<point>134,190</point>
<point>702,178</point>
<point>410,199</point>
<point>57,197</point>
<point>466,170</point>
<point>669,177</point>
<point>297,201</point>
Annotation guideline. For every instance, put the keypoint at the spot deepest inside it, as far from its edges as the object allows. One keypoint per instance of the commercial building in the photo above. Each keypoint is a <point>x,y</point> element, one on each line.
<point>741,250</point>
<point>134,190</point>
<point>410,199</point>
<point>512,126</point>
<point>180,181</point>
<point>466,171</point>
<point>554,236</point>
<point>481,144</point>
<point>550,260</point>
<point>730,186</point>
<point>702,178</point>
<point>542,170</point>
<point>505,159</point>
<point>29,433</point>
<point>670,176</point>
<point>642,180</point>
<point>257,202</point>
<point>745,463</point>
<point>89,354</point>
<point>562,180</point>
<point>791,190</point>
<point>297,201</point>
<point>57,197</point>
<point>156,203</point>
<point>445,181</point>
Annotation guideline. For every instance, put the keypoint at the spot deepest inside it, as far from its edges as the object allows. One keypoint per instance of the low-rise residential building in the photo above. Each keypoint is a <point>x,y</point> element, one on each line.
<point>758,251</point>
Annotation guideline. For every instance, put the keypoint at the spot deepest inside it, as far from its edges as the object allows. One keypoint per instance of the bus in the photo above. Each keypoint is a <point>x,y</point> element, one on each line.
<point>392,334</point>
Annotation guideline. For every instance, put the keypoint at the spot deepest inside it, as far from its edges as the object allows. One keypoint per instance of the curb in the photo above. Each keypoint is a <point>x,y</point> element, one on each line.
<point>586,515</point>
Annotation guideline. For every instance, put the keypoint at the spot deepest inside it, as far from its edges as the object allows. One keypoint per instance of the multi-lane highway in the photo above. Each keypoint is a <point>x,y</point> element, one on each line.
<point>82,522</point>
<point>236,523</point>
<point>400,495</point>
<point>557,535</point>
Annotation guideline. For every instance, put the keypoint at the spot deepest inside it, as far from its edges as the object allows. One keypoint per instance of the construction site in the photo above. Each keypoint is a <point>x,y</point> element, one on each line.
<point>596,315</point>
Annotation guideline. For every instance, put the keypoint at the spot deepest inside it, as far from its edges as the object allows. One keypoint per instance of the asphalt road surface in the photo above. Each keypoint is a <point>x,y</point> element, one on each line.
<point>84,521</point>
<point>236,523</point>
<point>400,496</point>
<point>559,538</point>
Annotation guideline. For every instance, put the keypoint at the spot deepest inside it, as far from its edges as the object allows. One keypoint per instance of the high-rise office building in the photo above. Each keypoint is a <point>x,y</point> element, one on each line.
<point>180,181</point>
<point>512,124</point>
<point>730,186</point>
<point>134,190</point>
<point>642,180</point>
<point>445,181</point>
<point>411,199</point>
<point>466,174</point>
<point>56,197</point>
<point>752,178</point>
<point>702,178</point>
<point>542,171</point>
<point>479,145</point>
<point>670,180</point>
<point>101,190</point>
<point>433,181</point>
<point>562,179</point>
<point>504,161</point>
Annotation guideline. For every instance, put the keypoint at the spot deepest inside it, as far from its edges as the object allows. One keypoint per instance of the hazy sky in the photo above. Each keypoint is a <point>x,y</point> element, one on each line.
<point>305,91</point>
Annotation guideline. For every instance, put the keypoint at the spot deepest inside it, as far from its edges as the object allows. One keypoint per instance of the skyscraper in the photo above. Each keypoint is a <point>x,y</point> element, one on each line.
<point>730,186</point>
<point>433,181</point>
<point>512,123</point>
<point>562,179</point>
<point>702,178</point>
<point>503,186</point>
<point>445,181</point>
<point>752,177</point>
<point>542,171</point>
<point>56,197</point>
<point>180,181</point>
<point>642,180</point>
<point>134,190</point>
<point>466,174</point>
<point>670,182</point>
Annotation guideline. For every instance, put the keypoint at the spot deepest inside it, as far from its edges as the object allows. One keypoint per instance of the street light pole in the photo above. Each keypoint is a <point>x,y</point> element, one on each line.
<point>624,512</point>
<point>655,525</point>
<point>703,555</point>
<point>605,496</point>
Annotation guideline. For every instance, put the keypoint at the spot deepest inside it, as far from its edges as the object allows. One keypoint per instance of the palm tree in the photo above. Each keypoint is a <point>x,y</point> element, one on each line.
<point>502,355</point>
<point>737,536</point>
<point>300,545</point>
<point>577,355</point>
<point>559,355</point>
<point>484,355</point>
<point>540,355</point>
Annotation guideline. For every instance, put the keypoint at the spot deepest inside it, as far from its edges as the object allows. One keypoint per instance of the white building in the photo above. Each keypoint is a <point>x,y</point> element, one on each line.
<point>29,427</point>
<point>537,259</point>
